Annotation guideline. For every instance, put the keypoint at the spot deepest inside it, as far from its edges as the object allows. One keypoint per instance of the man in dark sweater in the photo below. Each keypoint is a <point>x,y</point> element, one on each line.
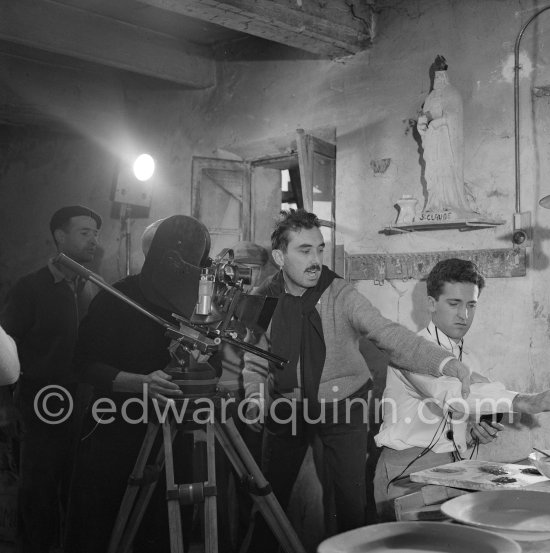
<point>42,315</point>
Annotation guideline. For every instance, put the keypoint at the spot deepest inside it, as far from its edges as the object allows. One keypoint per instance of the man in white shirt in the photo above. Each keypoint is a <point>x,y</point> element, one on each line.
<point>426,422</point>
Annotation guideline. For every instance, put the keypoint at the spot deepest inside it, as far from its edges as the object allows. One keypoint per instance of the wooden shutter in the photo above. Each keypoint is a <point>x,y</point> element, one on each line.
<point>221,200</point>
<point>317,161</point>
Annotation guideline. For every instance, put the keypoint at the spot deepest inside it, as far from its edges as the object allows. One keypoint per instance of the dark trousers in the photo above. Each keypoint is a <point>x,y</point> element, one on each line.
<point>344,456</point>
<point>106,457</point>
<point>45,464</point>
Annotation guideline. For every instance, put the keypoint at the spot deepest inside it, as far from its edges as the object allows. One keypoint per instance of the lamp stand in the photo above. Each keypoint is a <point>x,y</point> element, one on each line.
<point>125,216</point>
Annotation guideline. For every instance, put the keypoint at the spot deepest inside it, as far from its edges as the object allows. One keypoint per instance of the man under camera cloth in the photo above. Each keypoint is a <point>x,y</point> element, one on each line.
<point>317,325</point>
<point>124,354</point>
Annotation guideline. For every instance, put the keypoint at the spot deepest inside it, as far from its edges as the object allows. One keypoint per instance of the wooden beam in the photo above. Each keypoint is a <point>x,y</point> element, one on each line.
<point>84,35</point>
<point>330,28</point>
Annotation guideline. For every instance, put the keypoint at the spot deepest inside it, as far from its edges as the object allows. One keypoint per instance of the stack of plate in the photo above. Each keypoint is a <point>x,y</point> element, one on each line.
<point>518,514</point>
<point>417,537</point>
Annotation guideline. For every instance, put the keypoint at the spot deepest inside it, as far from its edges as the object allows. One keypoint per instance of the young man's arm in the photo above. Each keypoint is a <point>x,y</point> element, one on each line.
<point>532,404</point>
<point>484,398</point>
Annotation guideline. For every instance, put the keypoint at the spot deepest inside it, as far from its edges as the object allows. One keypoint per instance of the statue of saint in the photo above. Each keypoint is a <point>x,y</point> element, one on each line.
<point>440,127</point>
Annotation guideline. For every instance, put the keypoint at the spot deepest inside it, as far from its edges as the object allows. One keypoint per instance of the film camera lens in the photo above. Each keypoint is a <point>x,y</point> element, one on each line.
<point>233,273</point>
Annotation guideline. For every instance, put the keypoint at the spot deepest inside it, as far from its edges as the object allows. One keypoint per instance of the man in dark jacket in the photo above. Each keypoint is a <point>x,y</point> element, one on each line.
<point>42,315</point>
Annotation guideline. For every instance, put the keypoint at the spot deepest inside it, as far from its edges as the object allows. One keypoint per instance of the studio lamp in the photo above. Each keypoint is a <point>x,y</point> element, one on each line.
<point>133,189</point>
<point>144,167</point>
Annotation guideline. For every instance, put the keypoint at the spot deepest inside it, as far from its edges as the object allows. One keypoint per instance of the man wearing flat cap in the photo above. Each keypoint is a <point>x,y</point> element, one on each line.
<point>42,315</point>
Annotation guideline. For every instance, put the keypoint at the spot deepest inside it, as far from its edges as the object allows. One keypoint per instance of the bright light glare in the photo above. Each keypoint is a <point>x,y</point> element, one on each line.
<point>144,167</point>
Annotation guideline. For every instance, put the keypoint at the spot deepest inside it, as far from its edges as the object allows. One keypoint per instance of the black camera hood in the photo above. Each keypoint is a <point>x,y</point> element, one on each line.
<point>171,272</point>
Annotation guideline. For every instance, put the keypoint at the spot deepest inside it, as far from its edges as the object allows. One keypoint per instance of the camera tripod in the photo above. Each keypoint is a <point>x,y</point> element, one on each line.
<point>141,486</point>
<point>205,339</point>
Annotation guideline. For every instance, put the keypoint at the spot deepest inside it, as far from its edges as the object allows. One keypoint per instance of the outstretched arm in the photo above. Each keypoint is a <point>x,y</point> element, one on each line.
<point>532,404</point>
<point>484,398</point>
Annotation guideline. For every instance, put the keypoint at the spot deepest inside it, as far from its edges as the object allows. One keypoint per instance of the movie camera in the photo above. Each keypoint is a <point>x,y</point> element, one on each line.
<point>223,312</point>
<point>219,283</point>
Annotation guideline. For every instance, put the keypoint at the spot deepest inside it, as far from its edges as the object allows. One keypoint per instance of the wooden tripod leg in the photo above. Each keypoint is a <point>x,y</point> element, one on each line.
<point>210,500</point>
<point>172,493</point>
<point>245,466</point>
<point>134,484</point>
<point>142,501</point>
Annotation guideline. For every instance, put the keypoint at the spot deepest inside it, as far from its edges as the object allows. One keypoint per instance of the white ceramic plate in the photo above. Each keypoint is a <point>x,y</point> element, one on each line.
<point>416,537</point>
<point>518,514</point>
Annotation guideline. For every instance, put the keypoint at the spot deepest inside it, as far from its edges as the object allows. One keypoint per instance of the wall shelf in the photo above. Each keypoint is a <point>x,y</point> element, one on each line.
<point>471,223</point>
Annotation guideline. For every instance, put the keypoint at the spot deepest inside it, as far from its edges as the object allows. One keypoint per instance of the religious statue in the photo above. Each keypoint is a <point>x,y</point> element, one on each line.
<point>440,127</point>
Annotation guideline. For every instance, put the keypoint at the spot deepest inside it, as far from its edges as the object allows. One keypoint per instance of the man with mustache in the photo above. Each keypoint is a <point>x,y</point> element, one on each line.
<point>42,315</point>
<point>322,391</point>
